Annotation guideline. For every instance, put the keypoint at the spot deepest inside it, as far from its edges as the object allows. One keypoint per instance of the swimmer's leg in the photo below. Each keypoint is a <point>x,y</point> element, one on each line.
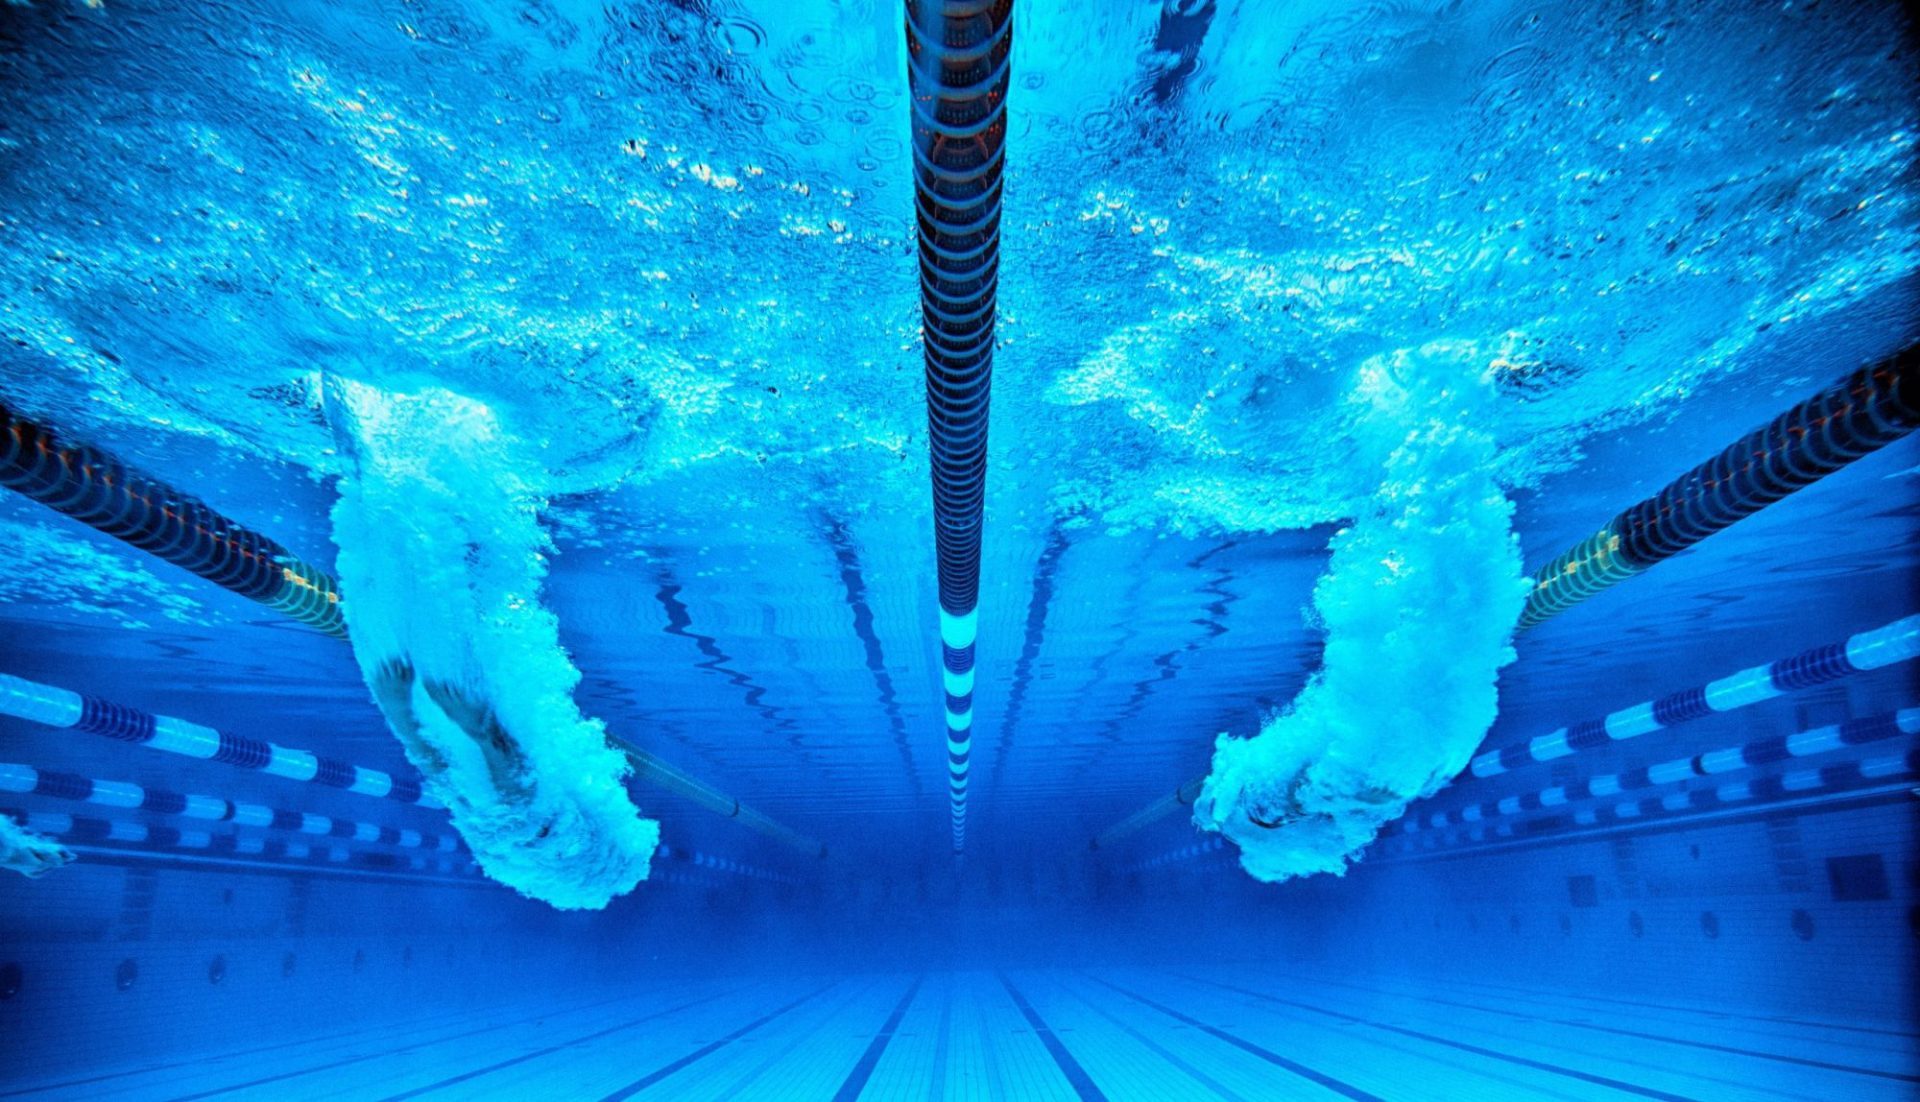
<point>392,685</point>
<point>506,761</point>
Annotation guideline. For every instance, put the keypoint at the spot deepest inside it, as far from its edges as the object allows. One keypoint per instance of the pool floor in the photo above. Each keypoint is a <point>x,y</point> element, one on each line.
<point>1103,1033</point>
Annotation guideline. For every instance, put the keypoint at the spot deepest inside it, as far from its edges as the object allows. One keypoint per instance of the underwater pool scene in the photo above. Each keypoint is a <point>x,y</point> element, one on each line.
<point>959,549</point>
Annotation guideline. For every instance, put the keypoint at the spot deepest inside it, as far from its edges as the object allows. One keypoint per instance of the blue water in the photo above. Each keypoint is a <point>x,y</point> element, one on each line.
<point>581,343</point>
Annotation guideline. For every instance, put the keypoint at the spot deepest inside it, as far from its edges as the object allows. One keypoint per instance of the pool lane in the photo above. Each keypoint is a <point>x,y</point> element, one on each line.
<point>1100,1035</point>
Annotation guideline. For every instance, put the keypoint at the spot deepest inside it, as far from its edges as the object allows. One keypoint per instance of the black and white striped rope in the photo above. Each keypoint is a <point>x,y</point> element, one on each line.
<point>959,62</point>
<point>1852,418</point>
<point>957,637</point>
<point>97,489</point>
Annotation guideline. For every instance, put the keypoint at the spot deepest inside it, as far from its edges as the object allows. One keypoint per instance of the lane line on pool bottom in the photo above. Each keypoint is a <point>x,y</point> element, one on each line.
<point>423,1024</point>
<point>1507,1057</point>
<point>656,1076</point>
<point>1567,1001</point>
<point>384,1053</point>
<point>1076,1075</point>
<point>939,1089</point>
<point>1155,1047</point>
<point>551,1049</point>
<point>863,1071</point>
<point>1337,1086</point>
<point>1733,1050</point>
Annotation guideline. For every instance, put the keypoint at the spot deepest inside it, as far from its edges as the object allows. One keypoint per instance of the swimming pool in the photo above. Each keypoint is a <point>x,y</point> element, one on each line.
<point>1185,549</point>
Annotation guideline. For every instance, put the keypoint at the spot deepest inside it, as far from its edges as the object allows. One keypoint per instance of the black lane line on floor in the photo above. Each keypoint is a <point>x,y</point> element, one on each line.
<point>1803,1061</point>
<point>651,1078</point>
<point>1198,1076</point>
<point>939,1089</point>
<point>1076,1075</point>
<point>1344,1089</point>
<point>429,1022</point>
<point>863,1071</point>
<point>551,1049</point>
<point>387,1052</point>
<point>1412,1050</point>
<point>1638,1004</point>
<point>1507,1057</point>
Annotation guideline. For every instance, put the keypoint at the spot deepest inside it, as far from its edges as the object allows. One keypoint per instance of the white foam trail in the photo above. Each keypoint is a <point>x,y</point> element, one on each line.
<point>28,853</point>
<point>441,559</point>
<point>1418,602</point>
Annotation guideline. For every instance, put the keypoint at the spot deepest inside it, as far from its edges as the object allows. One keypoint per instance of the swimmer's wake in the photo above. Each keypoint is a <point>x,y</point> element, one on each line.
<point>441,558</point>
<point>28,853</point>
<point>1418,602</point>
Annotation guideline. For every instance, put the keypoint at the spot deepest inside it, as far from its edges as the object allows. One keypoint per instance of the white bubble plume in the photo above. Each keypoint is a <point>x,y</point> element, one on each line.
<point>1418,603</point>
<point>441,559</point>
<point>28,853</point>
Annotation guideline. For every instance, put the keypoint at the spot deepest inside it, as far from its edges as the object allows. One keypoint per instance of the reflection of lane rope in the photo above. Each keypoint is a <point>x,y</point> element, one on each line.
<point>854,581</point>
<point>98,490</point>
<point>957,71</point>
<point>1037,609</point>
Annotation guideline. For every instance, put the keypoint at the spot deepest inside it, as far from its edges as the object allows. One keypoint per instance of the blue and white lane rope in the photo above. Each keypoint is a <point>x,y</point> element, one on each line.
<point>56,707</point>
<point>126,832</point>
<point>1672,774</point>
<point>1894,772</point>
<point>1587,804</point>
<point>728,865</point>
<point>15,777</point>
<point>1869,650</point>
<point>1188,852</point>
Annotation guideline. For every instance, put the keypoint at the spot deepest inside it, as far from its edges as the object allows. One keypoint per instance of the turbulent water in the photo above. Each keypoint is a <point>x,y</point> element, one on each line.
<point>442,556</point>
<point>1418,604</point>
<point>28,853</point>
<point>592,212</point>
<point>669,246</point>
